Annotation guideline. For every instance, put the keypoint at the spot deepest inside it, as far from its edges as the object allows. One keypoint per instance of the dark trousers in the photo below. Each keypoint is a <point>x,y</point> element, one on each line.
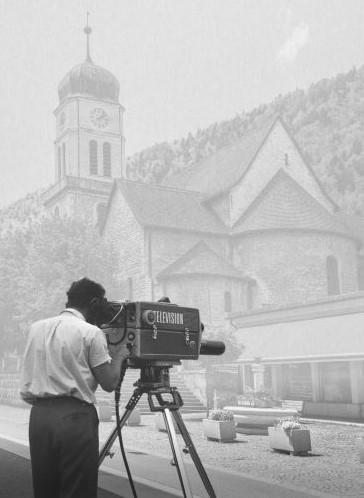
<point>64,448</point>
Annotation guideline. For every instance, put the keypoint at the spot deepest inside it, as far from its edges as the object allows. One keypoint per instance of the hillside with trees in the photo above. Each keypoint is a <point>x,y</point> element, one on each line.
<point>327,120</point>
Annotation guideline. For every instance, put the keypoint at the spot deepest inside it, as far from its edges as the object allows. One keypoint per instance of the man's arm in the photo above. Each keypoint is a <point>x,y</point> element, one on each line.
<point>108,374</point>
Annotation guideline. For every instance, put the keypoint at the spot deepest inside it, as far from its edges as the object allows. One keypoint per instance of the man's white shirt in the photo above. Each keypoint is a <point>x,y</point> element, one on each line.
<point>59,355</point>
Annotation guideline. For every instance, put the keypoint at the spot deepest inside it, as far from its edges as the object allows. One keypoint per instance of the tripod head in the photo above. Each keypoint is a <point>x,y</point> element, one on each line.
<point>155,375</point>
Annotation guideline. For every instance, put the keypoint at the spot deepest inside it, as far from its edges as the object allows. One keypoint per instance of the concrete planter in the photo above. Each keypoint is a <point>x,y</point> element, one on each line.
<point>294,441</point>
<point>219,430</point>
<point>104,412</point>
<point>134,418</point>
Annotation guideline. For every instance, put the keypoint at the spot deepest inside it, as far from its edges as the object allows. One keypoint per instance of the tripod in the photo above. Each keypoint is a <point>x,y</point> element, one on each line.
<point>154,381</point>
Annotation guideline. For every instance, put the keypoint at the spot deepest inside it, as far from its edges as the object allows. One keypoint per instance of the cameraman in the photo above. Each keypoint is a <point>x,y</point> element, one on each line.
<point>65,359</point>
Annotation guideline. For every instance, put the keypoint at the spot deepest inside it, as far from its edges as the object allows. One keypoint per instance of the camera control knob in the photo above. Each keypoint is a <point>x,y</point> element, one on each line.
<point>131,336</point>
<point>149,317</point>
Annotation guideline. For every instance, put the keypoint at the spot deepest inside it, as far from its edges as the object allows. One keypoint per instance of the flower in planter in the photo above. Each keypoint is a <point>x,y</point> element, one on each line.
<point>221,415</point>
<point>288,424</point>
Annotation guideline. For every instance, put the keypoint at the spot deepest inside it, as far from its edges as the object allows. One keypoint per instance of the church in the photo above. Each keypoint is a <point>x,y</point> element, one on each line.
<point>242,233</point>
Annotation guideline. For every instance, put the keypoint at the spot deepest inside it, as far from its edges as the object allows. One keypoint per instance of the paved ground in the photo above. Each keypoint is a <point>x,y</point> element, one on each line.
<point>247,468</point>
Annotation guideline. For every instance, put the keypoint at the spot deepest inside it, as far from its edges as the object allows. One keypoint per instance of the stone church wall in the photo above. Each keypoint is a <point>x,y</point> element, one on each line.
<point>80,205</point>
<point>205,293</point>
<point>291,267</point>
<point>126,235</point>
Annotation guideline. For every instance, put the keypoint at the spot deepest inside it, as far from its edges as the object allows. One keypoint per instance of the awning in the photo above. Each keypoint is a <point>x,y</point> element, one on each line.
<point>339,337</point>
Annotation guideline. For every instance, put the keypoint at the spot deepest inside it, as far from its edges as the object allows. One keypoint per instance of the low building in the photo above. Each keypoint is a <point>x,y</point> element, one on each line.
<point>312,352</point>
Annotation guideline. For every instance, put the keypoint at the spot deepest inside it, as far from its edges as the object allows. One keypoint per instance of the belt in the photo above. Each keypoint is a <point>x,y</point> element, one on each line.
<point>50,400</point>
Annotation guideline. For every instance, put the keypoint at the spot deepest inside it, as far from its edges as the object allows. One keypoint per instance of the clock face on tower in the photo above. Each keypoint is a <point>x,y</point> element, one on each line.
<point>99,117</point>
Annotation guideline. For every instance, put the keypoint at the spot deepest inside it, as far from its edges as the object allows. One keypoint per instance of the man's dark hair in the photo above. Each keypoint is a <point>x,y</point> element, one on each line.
<point>82,292</point>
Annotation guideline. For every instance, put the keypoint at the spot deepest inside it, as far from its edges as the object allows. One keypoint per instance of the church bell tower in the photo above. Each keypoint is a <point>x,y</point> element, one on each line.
<point>89,144</point>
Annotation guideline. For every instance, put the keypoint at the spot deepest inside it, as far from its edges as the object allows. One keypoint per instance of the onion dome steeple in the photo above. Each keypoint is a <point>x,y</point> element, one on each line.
<point>89,80</point>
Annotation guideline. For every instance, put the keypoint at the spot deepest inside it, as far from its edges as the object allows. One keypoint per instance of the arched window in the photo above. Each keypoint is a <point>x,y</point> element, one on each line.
<point>59,163</point>
<point>100,213</point>
<point>227,302</point>
<point>251,293</point>
<point>332,270</point>
<point>93,157</point>
<point>106,156</point>
<point>63,159</point>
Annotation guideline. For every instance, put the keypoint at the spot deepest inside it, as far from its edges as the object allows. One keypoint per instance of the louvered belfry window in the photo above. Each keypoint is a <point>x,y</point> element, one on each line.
<point>106,152</point>
<point>93,157</point>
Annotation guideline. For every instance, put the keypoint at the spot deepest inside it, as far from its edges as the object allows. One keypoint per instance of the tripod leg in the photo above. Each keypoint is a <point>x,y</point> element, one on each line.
<point>194,455</point>
<point>105,451</point>
<point>182,474</point>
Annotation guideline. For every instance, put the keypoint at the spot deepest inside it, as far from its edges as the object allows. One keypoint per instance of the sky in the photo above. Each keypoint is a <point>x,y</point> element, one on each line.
<point>182,65</point>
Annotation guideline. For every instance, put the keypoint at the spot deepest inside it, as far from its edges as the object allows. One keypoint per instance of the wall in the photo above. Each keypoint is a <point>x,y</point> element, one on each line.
<point>126,235</point>
<point>290,267</point>
<point>79,204</point>
<point>205,293</point>
<point>333,410</point>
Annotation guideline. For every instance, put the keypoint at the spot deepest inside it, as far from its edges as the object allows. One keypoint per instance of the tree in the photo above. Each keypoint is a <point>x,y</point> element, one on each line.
<point>37,267</point>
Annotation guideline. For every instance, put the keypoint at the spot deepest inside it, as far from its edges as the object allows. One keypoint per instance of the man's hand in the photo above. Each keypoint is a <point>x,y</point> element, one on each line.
<point>114,336</point>
<point>108,374</point>
<point>120,350</point>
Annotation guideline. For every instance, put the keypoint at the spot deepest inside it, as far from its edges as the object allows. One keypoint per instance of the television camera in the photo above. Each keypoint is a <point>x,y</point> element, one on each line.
<point>157,332</point>
<point>158,335</point>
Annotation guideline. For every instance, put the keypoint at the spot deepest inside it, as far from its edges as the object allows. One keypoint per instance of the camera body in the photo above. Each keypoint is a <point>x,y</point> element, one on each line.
<point>155,331</point>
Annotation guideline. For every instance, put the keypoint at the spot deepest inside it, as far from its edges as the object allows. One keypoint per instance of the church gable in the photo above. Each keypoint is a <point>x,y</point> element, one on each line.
<point>200,260</point>
<point>284,204</point>
<point>279,151</point>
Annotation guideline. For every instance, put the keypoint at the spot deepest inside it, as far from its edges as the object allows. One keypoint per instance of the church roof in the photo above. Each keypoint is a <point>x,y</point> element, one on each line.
<point>284,204</point>
<point>225,167</point>
<point>165,207</point>
<point>216,174</point>
<point>201,260</point>
<point>89,80</point>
